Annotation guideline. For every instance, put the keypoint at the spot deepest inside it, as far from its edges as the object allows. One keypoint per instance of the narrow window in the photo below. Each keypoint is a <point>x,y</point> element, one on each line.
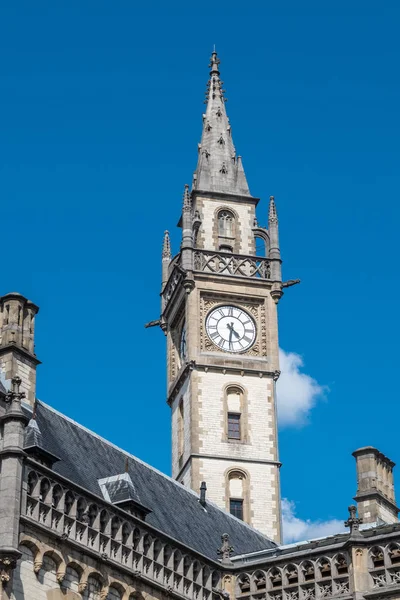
<point>234,426</point>
<point>180,429</point>
<point>236,508</point>
<point>226,224</point>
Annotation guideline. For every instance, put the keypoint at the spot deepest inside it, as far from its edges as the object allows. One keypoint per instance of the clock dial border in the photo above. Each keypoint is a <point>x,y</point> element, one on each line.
<point>256,307</point>
<point>226,328</point>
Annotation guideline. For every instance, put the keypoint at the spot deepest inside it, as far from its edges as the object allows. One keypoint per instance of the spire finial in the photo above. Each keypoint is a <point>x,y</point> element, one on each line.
<point>272,213</point>
<point>214,63</point>
<point>187,201</point>
<point>166,249</point>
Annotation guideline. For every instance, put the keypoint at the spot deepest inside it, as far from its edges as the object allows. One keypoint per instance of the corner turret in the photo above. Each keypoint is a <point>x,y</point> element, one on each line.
<point>17,343</point>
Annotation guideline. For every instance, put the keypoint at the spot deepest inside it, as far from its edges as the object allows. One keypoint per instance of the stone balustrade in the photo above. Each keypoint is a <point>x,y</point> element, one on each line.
<point>235,265</point>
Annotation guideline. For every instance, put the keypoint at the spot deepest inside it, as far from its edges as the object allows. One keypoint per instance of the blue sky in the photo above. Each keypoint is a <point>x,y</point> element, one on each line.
<point>100,119</point>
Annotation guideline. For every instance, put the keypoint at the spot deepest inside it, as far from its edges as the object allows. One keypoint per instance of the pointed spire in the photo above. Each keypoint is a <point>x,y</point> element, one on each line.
<point>166,248</point>
<point>218,167</point>
<point>272,213</point>
<point>274,250</point>
<point>187,200</point>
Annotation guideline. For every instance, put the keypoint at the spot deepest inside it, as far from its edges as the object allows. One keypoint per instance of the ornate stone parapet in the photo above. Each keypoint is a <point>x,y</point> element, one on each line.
<point>113,536</point>
<point>235,265</point>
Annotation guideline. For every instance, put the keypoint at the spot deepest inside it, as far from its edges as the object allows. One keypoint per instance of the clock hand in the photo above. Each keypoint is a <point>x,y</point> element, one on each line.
<point>235,332</point>
<point>231,329</point>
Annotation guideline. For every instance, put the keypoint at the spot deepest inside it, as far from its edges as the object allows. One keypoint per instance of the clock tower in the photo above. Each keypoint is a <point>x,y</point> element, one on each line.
<point>219,313</point>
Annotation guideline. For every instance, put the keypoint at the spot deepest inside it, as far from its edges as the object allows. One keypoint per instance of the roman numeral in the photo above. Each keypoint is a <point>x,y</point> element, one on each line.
<point>247,339</point>
<point>230,311</point>
<point>214,335</point>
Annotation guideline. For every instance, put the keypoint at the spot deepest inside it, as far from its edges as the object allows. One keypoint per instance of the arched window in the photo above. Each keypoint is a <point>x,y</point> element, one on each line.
<point>260,246</point>
<point>234,402</point>
<point>226,224</point>
<point>261,242</point>
<point>235,409</point>
<point>238,494</point>
<point>57,495</point>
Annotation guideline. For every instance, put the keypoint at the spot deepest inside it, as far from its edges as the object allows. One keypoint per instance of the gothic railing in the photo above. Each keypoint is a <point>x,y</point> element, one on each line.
<point>116,536</point>
<point>236,265</point>
<point>308,579</point>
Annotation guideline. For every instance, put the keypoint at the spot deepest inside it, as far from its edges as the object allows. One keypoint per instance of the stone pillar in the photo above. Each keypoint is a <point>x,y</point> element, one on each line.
<point>375,490</point>
<point>12,454</point>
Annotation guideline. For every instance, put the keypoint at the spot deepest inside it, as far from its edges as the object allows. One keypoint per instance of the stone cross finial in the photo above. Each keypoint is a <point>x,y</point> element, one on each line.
<point>15,394</point>
<point>353,521</point>
<point>226,550</point>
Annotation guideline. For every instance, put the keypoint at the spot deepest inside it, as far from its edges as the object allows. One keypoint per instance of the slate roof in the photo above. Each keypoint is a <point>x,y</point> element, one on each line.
<point>86,458</point>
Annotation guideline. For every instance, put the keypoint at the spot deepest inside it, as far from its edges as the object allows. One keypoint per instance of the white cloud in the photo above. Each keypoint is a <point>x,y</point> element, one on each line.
<point>297,392</point>
<point>295,529</point>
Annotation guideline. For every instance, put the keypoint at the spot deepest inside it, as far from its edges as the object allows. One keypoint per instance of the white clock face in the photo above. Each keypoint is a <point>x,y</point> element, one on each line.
<point>231,328</point>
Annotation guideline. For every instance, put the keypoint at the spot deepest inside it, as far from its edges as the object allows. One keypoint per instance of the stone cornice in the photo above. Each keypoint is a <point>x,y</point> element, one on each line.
<point>21,351</point>
<point>230,369</point>
<point>229,458</point>
<point>226,196</point>
<point>376,495</point>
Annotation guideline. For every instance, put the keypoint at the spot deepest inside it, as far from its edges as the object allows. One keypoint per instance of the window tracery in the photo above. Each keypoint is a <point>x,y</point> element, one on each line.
<point>226,221</point>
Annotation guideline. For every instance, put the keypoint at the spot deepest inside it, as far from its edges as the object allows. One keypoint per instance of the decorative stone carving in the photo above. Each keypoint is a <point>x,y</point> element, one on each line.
<point>379,580</point>
<point>7,564</point>
<point>225,550</point>
<point>353,521</point>
<point>37,565</point>
<point>60,576</point>
<point>223,263</point>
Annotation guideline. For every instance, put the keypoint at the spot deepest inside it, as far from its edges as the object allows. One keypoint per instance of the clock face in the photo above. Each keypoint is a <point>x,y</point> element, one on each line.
<point>182,344</point>
<point>231,328</point>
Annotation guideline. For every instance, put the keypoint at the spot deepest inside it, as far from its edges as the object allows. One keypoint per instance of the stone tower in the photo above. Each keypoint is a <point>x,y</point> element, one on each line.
<point>17,351</point>
<point>375,489</point>
<point>219,312</point>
